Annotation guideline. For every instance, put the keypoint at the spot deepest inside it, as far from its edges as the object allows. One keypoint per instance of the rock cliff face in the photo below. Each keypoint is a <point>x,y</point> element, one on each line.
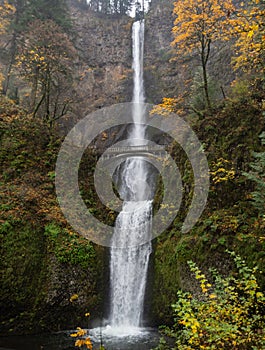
<point>104,63</point>
<point>161,75</point>
<point>105,57</point>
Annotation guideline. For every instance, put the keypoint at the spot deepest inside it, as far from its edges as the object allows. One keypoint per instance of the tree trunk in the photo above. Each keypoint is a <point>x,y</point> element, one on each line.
<point>34,89</point>
<point>205,85</point>
<point>205,52</point>
<point>13,51</point>
<point>48,92</point>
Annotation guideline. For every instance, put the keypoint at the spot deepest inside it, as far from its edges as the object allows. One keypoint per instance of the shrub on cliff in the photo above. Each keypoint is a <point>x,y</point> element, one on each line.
<point>228,315</point>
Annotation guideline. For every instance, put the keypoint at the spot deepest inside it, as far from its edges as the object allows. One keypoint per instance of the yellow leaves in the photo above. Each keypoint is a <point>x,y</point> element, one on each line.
<point>259,295</point>
<point>46,54</point>
<point>252,30</point>
<point>250,43</point>
<point>228,318</point>
<point>6,10</point>
<point>84,342</point>
<point>169,105</point>
<point>203,288</point>
<point>212,296</point>
<point>79,333</point>
<point>79,343</point>
<point>182,322</point>
<point>250,33</point>
<point>197,21</point>
<point>195,324</point>
<point>1,78</point>
<point>73,297</point>
<point>222,171</point>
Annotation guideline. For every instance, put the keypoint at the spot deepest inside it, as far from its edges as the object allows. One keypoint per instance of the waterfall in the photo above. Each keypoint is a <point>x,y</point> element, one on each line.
<point>129,265</point>
<point>138,79</point>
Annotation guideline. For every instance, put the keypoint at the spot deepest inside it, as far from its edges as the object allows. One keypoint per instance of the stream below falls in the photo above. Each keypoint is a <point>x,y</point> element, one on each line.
<point>135,339</point>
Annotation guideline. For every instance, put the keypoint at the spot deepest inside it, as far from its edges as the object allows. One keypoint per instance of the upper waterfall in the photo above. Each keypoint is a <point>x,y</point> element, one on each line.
<point>138,132</point>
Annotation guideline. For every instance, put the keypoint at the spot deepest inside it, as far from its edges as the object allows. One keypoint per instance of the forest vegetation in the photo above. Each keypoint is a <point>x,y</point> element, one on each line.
<point>43,261</point>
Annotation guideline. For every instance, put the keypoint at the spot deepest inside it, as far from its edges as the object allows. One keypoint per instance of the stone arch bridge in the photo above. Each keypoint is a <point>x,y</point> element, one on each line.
<point>134,151</point>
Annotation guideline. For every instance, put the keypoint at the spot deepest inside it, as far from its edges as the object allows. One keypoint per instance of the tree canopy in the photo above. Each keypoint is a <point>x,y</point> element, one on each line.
<point>250,45</point>
<point>198,24</point>
<point>45,59</point>
<point>6,10</point>
<point>111,6</point>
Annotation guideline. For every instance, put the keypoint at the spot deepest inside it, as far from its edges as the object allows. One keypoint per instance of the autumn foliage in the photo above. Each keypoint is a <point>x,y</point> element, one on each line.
<point>228,315</point>
<point>6,11</point>
<point>201,24</point>
<point>250,45</point>
<point>45,59</point>
<point>198,24</point>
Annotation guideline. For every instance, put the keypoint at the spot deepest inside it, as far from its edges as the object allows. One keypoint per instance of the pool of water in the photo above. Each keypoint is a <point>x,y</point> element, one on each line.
<point>112,338</point>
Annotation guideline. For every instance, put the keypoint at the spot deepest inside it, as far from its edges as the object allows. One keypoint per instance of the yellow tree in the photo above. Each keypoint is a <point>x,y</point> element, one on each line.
<point>198,24</point>
<point>45,59</point>
<point>6,10</point>
<point>250,45</point>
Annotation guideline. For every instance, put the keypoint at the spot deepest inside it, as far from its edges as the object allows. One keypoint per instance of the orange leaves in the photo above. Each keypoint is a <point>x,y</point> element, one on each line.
<point>169,105</point>
<point>79,332</point>
<point>86,342</point>
<point>199,22</point>
<point>83,341</point>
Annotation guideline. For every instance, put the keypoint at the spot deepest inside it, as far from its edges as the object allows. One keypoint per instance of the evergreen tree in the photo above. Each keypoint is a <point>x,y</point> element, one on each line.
<point>55,10</point>
<point>125,6</point>
<point>111,6</point>
<point>17,25</point>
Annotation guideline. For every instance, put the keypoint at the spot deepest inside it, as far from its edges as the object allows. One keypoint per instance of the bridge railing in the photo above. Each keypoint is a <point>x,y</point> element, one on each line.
<point>134,150</point>
<point>138,148</point>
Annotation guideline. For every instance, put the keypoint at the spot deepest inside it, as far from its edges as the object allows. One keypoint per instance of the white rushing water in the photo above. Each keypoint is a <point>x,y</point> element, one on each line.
<point>129,265</point>
<point>138,80</point>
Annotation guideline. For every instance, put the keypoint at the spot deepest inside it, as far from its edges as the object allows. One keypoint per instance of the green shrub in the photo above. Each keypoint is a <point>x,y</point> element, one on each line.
<point>228,315</point>
<point>68,246</point>
<point>257,175</point>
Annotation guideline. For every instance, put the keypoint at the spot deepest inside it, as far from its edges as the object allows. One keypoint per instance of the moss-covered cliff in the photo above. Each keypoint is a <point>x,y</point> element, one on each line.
<point>50,277</point>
